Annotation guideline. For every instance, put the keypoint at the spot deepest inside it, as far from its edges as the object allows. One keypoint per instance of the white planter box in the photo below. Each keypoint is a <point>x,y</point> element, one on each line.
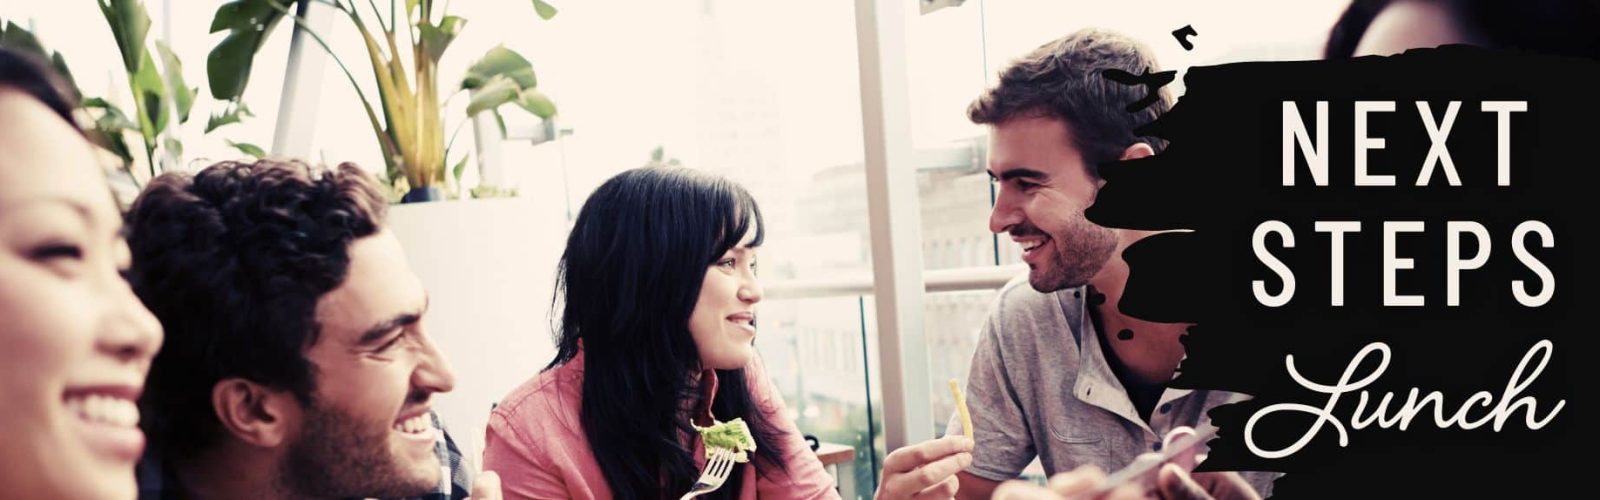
<point>489,267</point>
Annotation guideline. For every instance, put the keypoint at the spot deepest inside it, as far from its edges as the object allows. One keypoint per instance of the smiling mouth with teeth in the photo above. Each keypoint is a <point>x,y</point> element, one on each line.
<point>418,426</point>
<point>107,421</point>
<point>105,410</point>
<point>1029,245</point>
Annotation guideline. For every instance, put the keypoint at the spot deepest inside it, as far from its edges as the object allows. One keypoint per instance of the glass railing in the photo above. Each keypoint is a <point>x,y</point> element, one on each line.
<point>819,342</point>
<point>818,353</point>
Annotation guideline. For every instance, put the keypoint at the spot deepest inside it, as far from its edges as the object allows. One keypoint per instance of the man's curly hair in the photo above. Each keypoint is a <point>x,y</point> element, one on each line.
<point>1063,79</point>
<point>233,260</point>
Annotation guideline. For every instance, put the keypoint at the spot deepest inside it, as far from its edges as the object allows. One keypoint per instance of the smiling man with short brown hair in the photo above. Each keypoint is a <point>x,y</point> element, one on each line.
<point>1060,373</point>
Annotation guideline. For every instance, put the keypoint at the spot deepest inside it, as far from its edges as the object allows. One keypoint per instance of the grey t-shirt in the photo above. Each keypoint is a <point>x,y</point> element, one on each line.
<point>1040,386</point>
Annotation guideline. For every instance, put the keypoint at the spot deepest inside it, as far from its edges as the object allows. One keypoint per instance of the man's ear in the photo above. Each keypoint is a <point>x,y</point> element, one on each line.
<point>1137,150</point>
<point>253,413</point>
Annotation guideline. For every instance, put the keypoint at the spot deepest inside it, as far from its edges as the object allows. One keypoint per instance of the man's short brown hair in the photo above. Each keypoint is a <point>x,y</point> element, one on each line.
<point>1063,80</point>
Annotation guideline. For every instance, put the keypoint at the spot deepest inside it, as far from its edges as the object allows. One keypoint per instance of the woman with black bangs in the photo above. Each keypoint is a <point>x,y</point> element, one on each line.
<point>659,296</point>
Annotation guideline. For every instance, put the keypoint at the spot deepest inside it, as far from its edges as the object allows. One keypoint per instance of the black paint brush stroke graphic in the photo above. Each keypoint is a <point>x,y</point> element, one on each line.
<point>1151,81</point>
<point>1221,176</point>
<point>1183,34</point>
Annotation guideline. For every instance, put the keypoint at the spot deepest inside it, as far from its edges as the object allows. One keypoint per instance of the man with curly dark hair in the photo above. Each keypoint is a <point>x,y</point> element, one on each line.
<point>296,363</point>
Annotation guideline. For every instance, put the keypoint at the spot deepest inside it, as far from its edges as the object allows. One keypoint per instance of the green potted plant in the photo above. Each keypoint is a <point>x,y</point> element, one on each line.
<point>406,116</point>
<point>161,99</point>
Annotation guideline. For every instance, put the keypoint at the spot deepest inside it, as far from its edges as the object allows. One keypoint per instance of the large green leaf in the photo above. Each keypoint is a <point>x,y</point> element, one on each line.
<point>500,61</point>
<point>437,38</point>
<point>247,148</point>
<point>241,15</point>
<point>151,91</point>
<point>537,103</point>
<point>234,114</point>
<point>228,65</point>
<point>499,90</point>
<point>545,10</point>
<point>182,93</point>
<point>248,23</point>
<point>129,25</point>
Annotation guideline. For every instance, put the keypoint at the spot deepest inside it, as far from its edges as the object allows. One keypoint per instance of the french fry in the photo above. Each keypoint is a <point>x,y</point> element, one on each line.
<point>961,406</point>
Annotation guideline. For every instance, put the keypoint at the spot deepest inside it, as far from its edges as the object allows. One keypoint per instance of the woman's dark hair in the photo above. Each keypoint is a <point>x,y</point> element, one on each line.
<point>628,281</point>
<point>26,73</point>
<point>1557,27</point>
<point>233,260</point>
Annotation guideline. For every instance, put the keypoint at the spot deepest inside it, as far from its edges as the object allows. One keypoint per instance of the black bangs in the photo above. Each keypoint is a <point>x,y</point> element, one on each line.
<point>736,219</point>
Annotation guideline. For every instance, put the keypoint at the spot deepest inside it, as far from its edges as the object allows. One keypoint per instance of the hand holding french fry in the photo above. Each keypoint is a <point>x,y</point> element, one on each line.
<point>928,469</point>
<point>925,470</point>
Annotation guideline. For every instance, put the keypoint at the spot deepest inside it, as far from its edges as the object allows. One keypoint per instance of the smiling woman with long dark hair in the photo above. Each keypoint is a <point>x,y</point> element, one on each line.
<point>77,342</point>
<point>658,296</point>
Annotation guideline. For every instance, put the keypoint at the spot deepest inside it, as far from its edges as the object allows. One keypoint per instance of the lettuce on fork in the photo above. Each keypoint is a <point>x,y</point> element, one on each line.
<point>731,435</point>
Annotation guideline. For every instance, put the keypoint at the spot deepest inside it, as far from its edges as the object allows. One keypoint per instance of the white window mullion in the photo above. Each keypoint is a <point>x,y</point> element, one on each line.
<point>302,84</point>
<point>894,221</point>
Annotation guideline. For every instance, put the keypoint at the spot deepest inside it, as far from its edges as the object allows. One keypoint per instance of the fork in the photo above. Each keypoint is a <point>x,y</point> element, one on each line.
<point>717,469</point>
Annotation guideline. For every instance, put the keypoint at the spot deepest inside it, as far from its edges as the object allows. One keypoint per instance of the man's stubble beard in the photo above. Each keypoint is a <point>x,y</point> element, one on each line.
<point>1082,250</point>
<point>336,456</point>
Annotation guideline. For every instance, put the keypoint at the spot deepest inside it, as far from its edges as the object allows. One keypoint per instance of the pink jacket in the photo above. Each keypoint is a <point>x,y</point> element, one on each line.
<point>536,443</point>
